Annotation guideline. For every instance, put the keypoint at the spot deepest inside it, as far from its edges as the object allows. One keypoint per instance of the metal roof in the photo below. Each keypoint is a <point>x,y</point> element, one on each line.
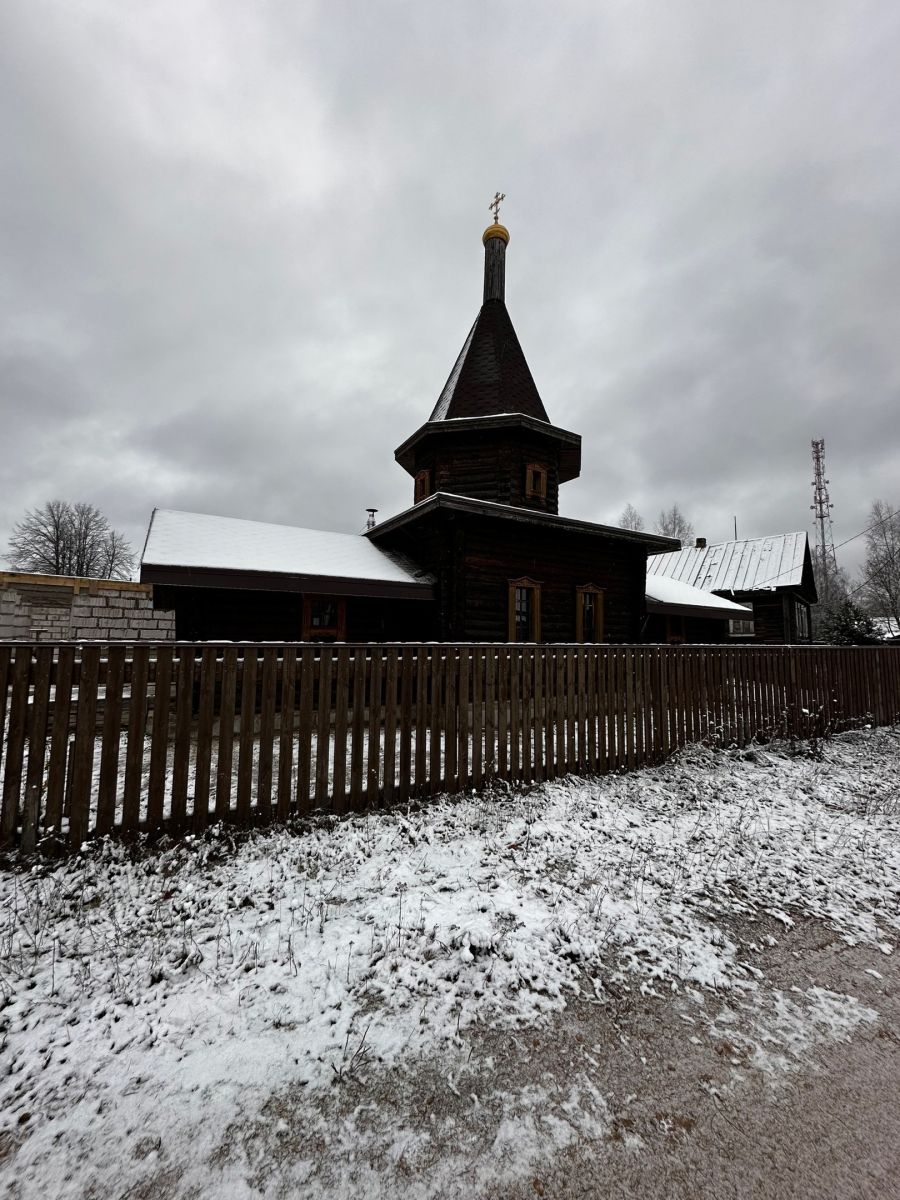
<point>752,565</point>
<point>186,539</point>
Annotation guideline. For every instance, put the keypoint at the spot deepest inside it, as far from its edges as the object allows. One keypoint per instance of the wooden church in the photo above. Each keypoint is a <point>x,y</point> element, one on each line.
<point>482,553</point>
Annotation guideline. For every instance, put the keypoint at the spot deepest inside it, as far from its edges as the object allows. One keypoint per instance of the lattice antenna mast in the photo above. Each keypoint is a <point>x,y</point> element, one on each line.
<point>821,507</point>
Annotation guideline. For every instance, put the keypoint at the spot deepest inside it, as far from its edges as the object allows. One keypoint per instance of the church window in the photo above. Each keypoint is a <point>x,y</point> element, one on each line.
<point>524,610</point>
<point>588,613</point>
<point>423,485</point>
<point>535,482</point>
<point>324,619</point>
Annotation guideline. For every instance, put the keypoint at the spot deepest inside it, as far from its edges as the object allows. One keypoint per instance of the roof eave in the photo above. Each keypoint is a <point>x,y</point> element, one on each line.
<point>570,443</point>
<point>285,581</point>
<point>509,512</point>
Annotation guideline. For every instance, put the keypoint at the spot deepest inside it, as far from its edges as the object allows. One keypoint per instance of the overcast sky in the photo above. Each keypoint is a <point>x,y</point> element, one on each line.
<point>240,248</point>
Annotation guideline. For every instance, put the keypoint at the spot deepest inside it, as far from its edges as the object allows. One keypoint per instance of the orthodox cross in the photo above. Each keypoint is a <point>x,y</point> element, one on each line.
<point>494,205</point>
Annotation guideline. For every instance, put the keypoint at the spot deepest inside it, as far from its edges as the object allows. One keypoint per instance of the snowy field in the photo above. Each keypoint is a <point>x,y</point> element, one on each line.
<point>169,1020</point>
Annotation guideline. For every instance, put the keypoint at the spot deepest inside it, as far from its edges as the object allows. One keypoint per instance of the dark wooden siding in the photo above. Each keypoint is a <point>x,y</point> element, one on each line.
<point>475,557</point>
<point>491,466</point>
<point>240,615</point>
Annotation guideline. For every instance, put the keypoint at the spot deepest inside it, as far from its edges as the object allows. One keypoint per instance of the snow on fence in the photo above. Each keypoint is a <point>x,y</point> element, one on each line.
<point>119,738</point>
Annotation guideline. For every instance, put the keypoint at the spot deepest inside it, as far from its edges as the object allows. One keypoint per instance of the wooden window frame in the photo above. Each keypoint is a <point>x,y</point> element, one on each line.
<point>741,633</point>
<point>534,586</point>
<point>540,491</point>
<point>423,485</point>
<point>335,633</point>
<point>802,621</point>
<point>589,589</point>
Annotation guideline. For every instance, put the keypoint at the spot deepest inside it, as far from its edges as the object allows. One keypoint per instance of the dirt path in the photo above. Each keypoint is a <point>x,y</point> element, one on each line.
<point>640,1096</point>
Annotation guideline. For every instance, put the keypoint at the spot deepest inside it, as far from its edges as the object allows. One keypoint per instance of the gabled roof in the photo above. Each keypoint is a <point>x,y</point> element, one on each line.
<point>490,377</point>
<point>226,546</point>
<point>666,595</point>
<point>752,565</point>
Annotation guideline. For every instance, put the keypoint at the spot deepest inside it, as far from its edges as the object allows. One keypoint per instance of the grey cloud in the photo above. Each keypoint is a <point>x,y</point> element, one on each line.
<point>240,249</point>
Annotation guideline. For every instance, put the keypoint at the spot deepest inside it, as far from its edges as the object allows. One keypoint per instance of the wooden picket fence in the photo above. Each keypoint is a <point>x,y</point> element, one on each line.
<point>122,738</point>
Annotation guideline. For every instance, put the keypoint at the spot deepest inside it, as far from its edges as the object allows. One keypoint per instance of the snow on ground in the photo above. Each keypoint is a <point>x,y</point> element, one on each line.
<point>170,995</point>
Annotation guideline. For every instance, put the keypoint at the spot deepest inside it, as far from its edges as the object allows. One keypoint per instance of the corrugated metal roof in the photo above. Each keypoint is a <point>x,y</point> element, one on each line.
<point>752,565</point>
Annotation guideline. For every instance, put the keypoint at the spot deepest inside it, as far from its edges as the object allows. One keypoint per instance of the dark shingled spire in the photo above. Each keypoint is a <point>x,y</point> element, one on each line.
<point>490,376</point>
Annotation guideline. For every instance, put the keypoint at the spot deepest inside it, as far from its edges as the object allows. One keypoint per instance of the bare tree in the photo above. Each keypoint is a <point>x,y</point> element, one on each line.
<point>69,539</point>
<point>882,566</point>
<point>631,518</point>
<point>672,522</point>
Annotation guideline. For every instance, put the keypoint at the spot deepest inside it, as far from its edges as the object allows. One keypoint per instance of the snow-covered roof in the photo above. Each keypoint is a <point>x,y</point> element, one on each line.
<point>672,592</point>
<point>755,564</point>
<point>186,539</point>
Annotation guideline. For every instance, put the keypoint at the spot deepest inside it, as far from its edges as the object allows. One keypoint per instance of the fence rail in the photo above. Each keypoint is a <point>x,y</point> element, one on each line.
<point>119,738</point>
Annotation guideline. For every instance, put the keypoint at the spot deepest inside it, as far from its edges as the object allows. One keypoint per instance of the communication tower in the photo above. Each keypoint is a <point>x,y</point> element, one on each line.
<point>821,507</point>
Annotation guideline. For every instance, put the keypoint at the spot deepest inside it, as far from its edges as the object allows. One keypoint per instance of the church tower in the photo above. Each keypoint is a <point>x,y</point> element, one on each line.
<point>489,436</point>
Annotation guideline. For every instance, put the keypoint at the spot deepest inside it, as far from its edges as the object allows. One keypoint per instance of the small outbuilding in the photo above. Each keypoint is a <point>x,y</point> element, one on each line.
<point>771,576</point>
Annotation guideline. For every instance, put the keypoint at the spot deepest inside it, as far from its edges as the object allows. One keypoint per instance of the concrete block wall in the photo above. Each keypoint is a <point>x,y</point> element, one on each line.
<point>59,608</point>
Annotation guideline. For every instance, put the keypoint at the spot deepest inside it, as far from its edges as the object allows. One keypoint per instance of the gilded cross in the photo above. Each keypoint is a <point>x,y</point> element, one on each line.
<point>494,205</point>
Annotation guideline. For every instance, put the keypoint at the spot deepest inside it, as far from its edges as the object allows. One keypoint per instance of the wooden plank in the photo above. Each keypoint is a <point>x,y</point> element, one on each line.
<point>549,687</point>
<point>527,719</point>
<point>602,710</point>
<point>373,757</point>
<point>159,742</point>
<point>37,746</point>
<point>184,703</point>
<point>562,765</point>
<point>435,775</point>
<point>582,678</point>
<point>305,726</point>
<point>478,757</point>
<point>423,666</point>
<point>538,660</point>
<point>503,670</point>
<point>15,745</point>
<point>451,660</point>
<point>667,739</point>
<point>225,755</point>
<point>247,733</point>
<point>406,724</point>
<point>341,707</point>
<point>640,707</point>
<point>323,724</point>
<point>5,681</point>
<point>357,728</point>
<point>463,755</point>
<point>391,671</point>
<point>138,671</point>
<point>285,796</point>
<point>571,700</point>
<point>265,766</point>
<point>628,662</point>
<point>59,738</point>
<point>111,740</point>
<point>490,712</point>
<point>515,712</point>
<point>591,708</point>
<point>85,733</point>
<point>209,663</point>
